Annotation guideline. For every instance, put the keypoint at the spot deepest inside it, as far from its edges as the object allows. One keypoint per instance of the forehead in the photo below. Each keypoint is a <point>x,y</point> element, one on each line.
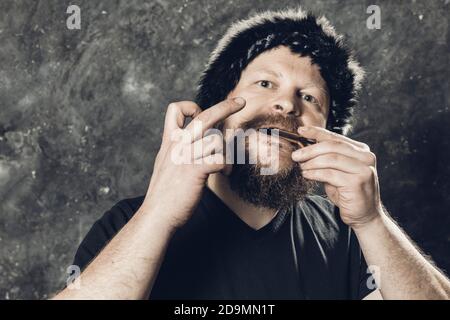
<point>283,61</point>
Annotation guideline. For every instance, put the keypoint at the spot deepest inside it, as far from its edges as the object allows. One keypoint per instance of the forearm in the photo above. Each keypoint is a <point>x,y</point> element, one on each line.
<point>127,267</point>
<point>404,272</point>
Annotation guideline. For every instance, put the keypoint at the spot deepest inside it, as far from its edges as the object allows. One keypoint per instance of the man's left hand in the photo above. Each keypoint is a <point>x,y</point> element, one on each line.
<point>348,170</point>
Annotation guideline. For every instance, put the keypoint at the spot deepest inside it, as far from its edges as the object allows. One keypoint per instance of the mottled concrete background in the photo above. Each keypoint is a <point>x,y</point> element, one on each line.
<point>81,114</point>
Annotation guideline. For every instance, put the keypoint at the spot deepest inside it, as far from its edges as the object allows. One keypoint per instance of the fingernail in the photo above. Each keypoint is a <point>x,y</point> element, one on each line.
<point>240,101</point>
<point>303,129</point>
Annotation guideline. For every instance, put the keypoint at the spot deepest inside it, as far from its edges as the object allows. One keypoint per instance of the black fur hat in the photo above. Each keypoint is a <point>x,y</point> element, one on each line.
<point>304,34</point>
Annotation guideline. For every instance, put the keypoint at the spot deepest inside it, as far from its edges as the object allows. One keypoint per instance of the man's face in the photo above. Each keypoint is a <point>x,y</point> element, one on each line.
<point>282,90</point>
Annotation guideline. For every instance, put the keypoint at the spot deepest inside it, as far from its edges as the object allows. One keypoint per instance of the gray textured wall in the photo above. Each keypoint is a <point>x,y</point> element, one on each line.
<point>81,114</point>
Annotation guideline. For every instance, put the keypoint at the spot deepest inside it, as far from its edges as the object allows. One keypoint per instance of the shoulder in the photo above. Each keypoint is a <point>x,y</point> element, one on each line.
<point>121,212</point>
<point>104,229</point>
<point>114,218</point>
<point>129,206</point>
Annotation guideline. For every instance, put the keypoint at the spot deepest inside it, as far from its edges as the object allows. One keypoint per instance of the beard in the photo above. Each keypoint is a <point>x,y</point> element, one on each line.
<point>276,191</point>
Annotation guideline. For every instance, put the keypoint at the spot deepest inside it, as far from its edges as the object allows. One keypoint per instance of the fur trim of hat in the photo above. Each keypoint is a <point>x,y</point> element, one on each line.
<point>304,34</point>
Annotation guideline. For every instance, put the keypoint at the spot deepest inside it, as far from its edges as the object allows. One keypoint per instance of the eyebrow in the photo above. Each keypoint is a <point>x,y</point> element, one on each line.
<point>273,73</point>
<point>321,88</point>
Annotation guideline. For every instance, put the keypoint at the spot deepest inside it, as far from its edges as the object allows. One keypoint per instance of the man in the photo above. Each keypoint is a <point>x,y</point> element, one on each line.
<point>207,229</point>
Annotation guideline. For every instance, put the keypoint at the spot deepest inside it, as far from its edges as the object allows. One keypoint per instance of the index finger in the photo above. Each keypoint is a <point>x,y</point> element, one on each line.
<point>322,134</point>
<point>208,118</point>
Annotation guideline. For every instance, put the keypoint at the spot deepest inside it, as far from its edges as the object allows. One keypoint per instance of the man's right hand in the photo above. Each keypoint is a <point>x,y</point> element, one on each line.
<point>128,265</point>
<point>175,188</point>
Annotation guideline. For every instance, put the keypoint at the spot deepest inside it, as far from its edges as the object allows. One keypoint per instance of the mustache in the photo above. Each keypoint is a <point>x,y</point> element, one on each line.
<point>266,121</point>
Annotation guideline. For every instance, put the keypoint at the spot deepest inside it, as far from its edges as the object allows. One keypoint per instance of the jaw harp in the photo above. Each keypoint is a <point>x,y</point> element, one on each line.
<point>291,137</point>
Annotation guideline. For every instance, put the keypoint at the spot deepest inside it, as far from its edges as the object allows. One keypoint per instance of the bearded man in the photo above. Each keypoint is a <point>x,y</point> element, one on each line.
<point>215,229</point>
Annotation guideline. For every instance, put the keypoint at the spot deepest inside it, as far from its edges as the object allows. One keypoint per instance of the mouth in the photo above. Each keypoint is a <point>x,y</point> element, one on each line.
<point>293,138</point>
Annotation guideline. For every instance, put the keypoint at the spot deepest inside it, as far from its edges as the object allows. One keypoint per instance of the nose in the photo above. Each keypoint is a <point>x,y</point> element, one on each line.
<point>286,107</point>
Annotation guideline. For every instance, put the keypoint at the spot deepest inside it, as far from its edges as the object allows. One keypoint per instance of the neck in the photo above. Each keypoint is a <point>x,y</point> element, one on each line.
<point>255,217</point>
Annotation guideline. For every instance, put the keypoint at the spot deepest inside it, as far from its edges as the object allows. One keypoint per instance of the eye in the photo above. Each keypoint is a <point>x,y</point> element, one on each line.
<point>309,98</point>
<point>265,84</point>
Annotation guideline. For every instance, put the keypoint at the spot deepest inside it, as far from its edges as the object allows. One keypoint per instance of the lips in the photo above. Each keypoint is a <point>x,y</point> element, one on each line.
<point>292,137</point>
<point>273,127</point>
<point>267,130</point>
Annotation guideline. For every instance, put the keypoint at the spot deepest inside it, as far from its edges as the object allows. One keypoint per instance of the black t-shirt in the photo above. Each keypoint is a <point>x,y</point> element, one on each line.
<point>305,252</point>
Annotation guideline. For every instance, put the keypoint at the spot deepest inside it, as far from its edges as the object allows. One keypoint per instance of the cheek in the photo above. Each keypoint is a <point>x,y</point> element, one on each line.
<point>253,107</point>
<point>253,95</point>
<point>314,119</point>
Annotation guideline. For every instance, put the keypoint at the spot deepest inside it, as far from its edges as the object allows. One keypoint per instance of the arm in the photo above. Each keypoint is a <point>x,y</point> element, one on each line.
<point>348,170</point>
<point>404,273</point>
<point>128,266</point>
